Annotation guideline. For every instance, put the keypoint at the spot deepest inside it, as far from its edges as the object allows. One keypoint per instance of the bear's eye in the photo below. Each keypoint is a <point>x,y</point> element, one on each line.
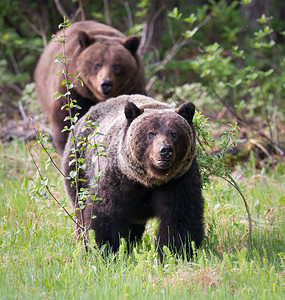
<point>151,135</point>
<point>117,68</point>
<point>97,66</point>
<point>173,134</point>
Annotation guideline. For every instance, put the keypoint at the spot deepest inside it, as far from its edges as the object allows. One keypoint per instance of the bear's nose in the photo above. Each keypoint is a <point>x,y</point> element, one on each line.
<point>165,151</point>
<point>106,86</point>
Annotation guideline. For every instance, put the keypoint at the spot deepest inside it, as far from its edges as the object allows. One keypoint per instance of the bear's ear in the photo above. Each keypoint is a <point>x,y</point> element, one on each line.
<point>187,111</point>
<point>84,39</point>
<point>132,111</point>
<point>132,43</point>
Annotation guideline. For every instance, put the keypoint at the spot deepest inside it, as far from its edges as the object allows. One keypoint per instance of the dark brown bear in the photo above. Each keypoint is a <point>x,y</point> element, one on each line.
<point>107,61</point>
<point>150,171</point>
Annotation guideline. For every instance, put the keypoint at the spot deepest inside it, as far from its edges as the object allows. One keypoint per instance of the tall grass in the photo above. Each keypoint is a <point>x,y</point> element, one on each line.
<point>40,258</point>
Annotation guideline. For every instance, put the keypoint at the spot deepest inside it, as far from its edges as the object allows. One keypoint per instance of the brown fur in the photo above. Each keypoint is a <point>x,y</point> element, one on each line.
<point>139,181</point>
<point>100,54</point>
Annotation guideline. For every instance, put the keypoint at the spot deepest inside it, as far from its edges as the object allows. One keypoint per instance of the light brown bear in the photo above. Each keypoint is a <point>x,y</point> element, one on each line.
<point>107,61</point>
<point>150,171</point>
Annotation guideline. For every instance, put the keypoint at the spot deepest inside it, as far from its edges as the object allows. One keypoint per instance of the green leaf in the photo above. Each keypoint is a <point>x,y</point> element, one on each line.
<point>60,73</point>
<point>190,33</point>
<point>63,82</point>
<point>262,19</point>
<point>238,82</point>
<point>72,174</point>
<point>70,86</point>
<point>81,81</point>
<point>83,167</point>
<point>175,14</point>
<point>191,19</point>
<point>59,59</point>
<point>57,95</point>
<point>245,2</point>
<point>212,48</point>
<point>81,160</point>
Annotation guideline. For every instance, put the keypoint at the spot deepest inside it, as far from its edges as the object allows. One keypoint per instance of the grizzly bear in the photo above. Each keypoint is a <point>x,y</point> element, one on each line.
<point>150,170</point>
<point>107,62</point>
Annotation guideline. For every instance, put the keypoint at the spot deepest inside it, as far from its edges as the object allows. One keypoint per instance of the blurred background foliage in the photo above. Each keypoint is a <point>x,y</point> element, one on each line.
<point>226,56</point>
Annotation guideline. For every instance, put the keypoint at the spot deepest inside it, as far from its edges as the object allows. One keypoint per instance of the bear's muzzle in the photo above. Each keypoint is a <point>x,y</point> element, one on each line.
<point>106,86</point>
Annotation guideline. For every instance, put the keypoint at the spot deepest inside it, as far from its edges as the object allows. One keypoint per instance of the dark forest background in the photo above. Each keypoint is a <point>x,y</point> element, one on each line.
<point>225,56</point>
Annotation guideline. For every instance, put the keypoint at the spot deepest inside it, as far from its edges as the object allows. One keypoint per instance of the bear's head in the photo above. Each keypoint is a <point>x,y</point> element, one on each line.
<point>108,65</point>
<point>158,145</point>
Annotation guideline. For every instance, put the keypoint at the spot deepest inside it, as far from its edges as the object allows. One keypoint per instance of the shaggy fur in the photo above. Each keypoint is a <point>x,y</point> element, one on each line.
<point>150,171</point>
<point>108,64</point>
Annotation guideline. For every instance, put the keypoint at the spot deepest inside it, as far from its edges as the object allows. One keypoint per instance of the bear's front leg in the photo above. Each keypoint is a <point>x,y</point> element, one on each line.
<point>179,205</point>
<point>178,235</point>
<point>108,228</point>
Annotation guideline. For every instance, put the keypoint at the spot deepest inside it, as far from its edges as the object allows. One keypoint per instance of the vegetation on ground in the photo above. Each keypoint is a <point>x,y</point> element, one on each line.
<point>39,256</point>
<point>232,67</point>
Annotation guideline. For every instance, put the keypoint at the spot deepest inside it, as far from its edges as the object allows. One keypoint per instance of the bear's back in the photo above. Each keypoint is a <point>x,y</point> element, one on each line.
<point>111,117</point>
<point>94,29</point>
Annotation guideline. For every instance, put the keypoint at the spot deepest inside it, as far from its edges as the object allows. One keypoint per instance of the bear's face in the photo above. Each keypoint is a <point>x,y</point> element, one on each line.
<point>107,65</point>
<point>161,144</point>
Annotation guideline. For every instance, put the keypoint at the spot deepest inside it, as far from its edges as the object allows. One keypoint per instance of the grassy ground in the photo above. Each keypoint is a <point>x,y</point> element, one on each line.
<point>40,259</point>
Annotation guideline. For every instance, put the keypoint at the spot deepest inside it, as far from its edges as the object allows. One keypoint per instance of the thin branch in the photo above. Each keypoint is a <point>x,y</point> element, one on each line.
<point>46,150</point>
<point>33,27</point>
<point>78,11</point>
<point>40,32</point>
<point>60,9</point>
<point>173,51</point>
<point>43,34</point>
<point>206,20</point>
<point>72,127</point>
<point>274,143</point>
<point>145,44</point>
<point>22,111</point>
<point>235,185</point>
<point>275,126</point>
<point>14,63</point>
<point>82,15</point>
<point>15,88</point>
<point>50,193</point>
<point>178,61</point>
<point>263,149</point>
<point>107,12</point>
<point>30,47</point>
<point>232,111</point>
<point>129,15</point>
<point>242,121</point>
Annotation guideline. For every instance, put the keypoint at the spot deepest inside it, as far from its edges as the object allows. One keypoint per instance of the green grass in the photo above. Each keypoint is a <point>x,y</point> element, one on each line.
<point>40,258</point>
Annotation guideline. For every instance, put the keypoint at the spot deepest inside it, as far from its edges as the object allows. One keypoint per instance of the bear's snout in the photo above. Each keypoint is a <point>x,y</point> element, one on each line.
<point>106,86</point>
<point>164,156</point>
<point>166,151</point>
